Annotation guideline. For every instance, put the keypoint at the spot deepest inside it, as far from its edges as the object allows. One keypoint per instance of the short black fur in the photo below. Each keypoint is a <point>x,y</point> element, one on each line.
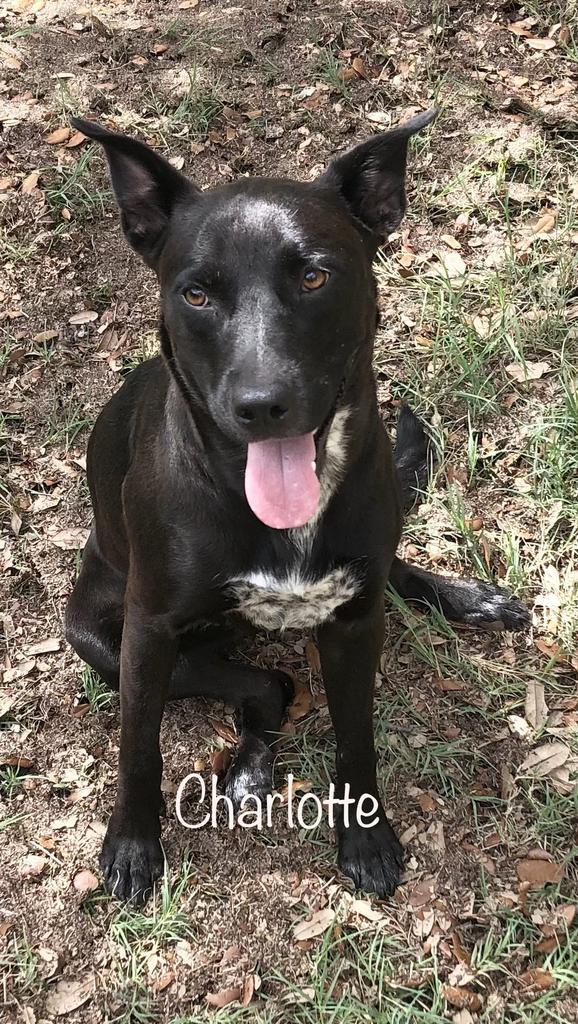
<point>173,532</point>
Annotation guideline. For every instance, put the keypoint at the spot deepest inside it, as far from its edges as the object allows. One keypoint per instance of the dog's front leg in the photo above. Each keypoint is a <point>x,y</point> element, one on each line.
<point>350,652</point>
<point>132,856</point>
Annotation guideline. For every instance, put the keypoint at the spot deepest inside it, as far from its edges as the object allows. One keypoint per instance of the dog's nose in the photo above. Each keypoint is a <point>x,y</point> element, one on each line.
<point>262,410</point>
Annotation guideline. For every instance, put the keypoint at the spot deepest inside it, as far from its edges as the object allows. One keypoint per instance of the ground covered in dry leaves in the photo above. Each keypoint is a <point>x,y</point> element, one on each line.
<point>477,733</point>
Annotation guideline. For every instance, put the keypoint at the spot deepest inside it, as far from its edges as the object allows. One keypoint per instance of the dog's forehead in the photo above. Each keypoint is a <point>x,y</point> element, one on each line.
<point>260,215</point>
<point>265,214</point>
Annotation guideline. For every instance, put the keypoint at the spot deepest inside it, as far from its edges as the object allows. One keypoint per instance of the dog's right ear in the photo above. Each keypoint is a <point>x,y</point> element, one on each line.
<point>147,187</point>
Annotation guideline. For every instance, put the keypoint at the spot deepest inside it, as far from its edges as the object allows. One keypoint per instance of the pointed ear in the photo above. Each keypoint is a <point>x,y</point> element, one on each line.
<point>371,176</point>
<point>147,187</point>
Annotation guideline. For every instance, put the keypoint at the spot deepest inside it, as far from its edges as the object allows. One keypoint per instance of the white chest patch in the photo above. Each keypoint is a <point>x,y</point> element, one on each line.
<point>292,602</point>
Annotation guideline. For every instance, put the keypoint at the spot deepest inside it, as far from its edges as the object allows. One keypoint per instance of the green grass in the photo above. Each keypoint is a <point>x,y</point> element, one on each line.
<point>14,250</point>
<point>11,781</point>
<point>65,422</point>
<point>329,69</point>
<point>72,187</point>
<point>194,112</point>
<point>94,691</point>
<point>134,936</point>
<point>19,968</point>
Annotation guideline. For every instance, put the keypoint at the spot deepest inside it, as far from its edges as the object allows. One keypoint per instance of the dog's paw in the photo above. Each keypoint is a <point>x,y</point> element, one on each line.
<point>494,608</point>
<point>371,857</point>
<point>130,865</point>
<point>250,775</point>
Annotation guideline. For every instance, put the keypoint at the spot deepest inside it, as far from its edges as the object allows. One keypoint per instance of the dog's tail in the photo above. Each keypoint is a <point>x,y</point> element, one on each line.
<point>412,456</point>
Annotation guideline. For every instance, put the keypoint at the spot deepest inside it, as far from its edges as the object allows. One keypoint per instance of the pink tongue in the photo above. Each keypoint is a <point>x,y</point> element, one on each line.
<point>280,481</point>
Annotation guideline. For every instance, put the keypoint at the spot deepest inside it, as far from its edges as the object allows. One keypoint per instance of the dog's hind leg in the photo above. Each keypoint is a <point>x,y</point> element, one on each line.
<point>95,613</point>
<point>461,600</point>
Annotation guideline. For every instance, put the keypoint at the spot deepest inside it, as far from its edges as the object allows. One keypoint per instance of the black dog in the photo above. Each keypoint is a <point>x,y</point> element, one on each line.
<point>247,472</point>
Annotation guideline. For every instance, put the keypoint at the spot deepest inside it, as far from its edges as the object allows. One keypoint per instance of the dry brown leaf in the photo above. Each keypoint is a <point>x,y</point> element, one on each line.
<point>451,241</point>
<point>527,371</point>
<point>550,650</point>
<point>231,953</point>
<point>224,731</point>
<point>302,702</point>
<point>45,646</point>
<point>462,997</point>
<point>85,316</point>
<point>538,873</point>
<point>540,44</point>
<point>163,982</point>
<point>461,954</point>
<point>316,925</point>
<point>85,881</point>
<point>312,655</point>
<point>249,987</point>
<point>58,136</point>
<point>30,182</point>
<point>68,995</point>
<point>537,977</point>
<point>32,865</point>
<point>297,786</point>
<point>427,803</point>
<point>521,28</point>
<point>224,996</point>
<point>451,265</point>
<point>364,909</point>
<point>72,539</point>
<point>43,336</point>
<point>546,758</point>
<point>18,671</point>
<point>10,61</point>
<point>545,223</point>
<point>535,707</point>
<point>220,760</point>
<point>75,140</point>
<point>422,892</point>
<point>448,685</point>
<point>547,945</point>
<point>16,761</point>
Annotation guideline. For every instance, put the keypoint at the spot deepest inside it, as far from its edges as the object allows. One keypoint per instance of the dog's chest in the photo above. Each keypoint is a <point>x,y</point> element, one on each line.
<point>297,596</point>
<point>292,600</point>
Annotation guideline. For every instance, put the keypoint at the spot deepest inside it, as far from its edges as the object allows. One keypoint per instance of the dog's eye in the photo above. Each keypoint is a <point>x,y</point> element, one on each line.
<point>196,297</point>
<point>314,278</point>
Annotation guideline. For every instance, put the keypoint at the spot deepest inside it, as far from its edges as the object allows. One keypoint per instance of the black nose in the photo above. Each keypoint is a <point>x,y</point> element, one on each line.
<point>262,410</point>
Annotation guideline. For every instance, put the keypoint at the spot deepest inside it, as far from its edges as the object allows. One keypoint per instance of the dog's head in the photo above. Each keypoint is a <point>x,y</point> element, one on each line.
<point>268,297</point>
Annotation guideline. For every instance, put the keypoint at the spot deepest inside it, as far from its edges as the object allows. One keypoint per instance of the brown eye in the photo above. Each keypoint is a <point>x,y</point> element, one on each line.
<point>314,278</point>
<point>196,297</point>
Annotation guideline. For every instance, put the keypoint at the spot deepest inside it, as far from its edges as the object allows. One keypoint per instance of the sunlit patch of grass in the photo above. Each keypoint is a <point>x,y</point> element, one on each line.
<point>329,69</point>
<point>137,936</point>
<point>194,111</point>
<point>15,250</point>
<point>96,693</point>
<point>20,969</point>
<point>11,781</point>
<point>70,187</point>
<point>65,422</point>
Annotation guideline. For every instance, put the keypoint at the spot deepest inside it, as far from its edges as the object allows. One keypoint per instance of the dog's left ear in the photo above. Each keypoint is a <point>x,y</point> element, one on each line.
<point>371,176</point>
